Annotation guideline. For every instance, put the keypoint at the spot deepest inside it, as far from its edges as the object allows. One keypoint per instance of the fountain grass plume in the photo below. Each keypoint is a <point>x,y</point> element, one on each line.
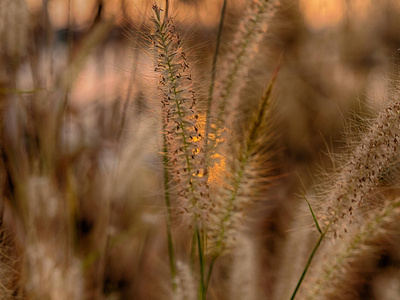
<point>343,273</point>
<point>183,157</point>
<point>215,214</point>
<point>360,178</point>
<point>353,200</point>
<point>250,169</point>
<point>234,70</point>
<point>184,154</point>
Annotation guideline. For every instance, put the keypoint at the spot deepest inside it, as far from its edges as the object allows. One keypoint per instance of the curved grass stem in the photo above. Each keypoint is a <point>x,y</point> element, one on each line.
<point>213,74</point>
<point>171,254</point>
<point>321,237</point>
<point>318,243</point>
<point>202,290</point>
<point>209,273</point>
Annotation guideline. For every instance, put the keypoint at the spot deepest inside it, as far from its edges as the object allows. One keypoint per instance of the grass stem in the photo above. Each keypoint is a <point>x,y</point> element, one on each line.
<point>202,289</point>
<point>171,254</point>
<point>321,237</point>
<point>213,74</point>
<point>209,273</point>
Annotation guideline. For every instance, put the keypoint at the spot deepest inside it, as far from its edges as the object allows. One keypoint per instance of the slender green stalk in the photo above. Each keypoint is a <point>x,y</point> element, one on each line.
<point>245,158</point>
<point>193,252</point>
<point>213,74</point>
<point>209,273</point>
<point>171,254</point>
<point>312,212</point>
<point>321,237</point>
<point>238,179</point>
<point>202,289</point>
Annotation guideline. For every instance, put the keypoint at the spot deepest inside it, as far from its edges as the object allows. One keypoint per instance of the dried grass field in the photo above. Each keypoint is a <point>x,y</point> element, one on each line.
<point>198,149</point>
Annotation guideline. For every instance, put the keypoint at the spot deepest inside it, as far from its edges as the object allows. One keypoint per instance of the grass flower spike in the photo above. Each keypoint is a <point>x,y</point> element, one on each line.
<point>145,155</point>
<point>250,169</point>
<point>236,66</point>
<point>356,200</point>
<point>181,129</point>
<point>345,273</point>
<point>363,174</point>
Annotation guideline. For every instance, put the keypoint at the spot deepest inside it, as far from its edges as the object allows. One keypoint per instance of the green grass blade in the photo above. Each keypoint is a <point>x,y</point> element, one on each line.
<point>213,74</point>
<point>312,212</point>
<point>171,253</point>
<point>202,289</point>
<point>308,264</point>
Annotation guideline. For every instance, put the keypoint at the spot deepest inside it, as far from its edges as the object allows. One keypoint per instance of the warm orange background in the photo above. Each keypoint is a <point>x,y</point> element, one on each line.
<point>317,13</point>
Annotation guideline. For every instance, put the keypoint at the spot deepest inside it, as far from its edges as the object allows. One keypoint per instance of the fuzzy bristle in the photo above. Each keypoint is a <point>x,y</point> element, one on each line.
<point>180,118</point>
<point>362,175</point>
<point>234,71</point>
<point>343,274</point>
<point>249,171</point>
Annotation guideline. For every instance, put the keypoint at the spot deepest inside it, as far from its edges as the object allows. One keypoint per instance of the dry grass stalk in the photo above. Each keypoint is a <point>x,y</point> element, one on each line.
<point>71,184</point>
<point>233,73</point>
<point>182,134</point>
<point>356,258</point>
<point>356,187</point>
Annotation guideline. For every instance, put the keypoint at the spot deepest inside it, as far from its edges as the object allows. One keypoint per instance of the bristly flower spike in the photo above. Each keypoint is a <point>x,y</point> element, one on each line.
<point>180,118</point>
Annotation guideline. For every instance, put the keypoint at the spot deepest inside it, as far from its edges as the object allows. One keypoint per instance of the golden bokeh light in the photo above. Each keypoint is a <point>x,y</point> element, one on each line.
<point>217,171</point>
<point>205,12</point>
<point>320,14</point>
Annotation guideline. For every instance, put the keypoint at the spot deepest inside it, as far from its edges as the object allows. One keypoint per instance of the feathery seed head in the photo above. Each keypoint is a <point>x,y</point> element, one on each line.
<point>362,175</point>
<point>236,66</point>
<point>344,272</point>
<point>248,174</point>
<point>180,119</point>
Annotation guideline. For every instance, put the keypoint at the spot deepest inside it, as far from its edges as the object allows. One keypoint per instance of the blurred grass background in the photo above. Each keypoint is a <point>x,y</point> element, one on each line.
<point>339,58</point>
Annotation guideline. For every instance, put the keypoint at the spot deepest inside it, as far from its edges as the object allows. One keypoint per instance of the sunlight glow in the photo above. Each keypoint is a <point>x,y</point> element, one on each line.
<point>320,14</point>
<point>217,170</point>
